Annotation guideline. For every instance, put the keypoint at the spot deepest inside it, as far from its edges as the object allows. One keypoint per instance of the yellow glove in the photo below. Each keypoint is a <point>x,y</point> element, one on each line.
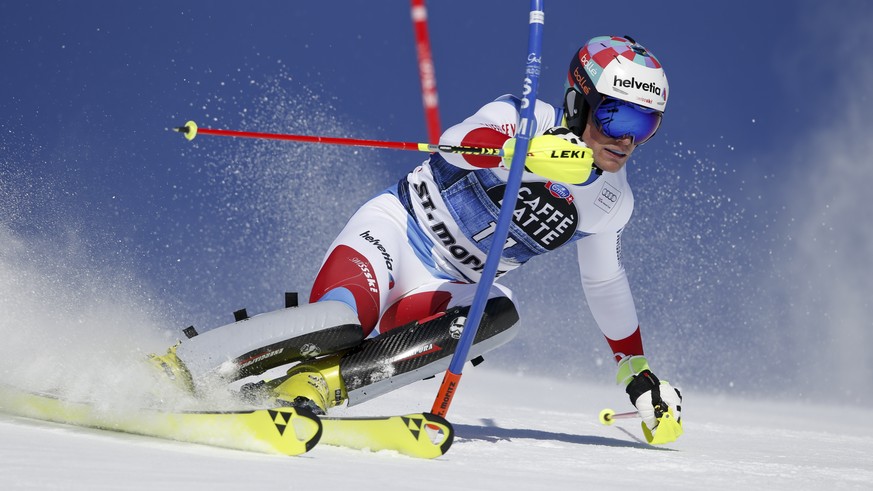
<point>555,157</point>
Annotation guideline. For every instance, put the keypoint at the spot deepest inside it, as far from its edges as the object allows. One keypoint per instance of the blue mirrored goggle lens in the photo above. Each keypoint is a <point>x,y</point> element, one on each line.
<point>619,119</point>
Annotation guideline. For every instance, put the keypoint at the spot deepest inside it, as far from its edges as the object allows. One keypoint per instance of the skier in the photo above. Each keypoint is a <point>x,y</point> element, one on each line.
<point>393,290</point>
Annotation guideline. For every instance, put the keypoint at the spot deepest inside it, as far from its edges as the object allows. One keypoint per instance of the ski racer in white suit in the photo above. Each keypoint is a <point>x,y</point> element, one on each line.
<point>418,249</point>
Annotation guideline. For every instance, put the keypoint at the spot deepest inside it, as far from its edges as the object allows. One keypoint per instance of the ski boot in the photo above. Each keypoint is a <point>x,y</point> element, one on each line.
<point>172,369</point>
<point>315,385</point>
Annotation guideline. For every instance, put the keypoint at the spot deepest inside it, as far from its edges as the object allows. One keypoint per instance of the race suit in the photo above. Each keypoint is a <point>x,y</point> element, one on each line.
<point>420,246</point>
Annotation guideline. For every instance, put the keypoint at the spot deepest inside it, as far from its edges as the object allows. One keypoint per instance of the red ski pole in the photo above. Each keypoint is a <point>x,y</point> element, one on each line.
<point>190,130</point>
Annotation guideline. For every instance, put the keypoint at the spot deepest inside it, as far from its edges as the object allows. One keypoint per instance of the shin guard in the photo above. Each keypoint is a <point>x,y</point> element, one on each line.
<point>261,342</point>
<point>418,351</point>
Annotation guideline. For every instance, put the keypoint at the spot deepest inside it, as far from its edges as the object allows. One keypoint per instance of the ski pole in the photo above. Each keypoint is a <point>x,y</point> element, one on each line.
<point>543,153</point>
<point>608,416</point>
<point>191,130</point>
<point>526,130</point>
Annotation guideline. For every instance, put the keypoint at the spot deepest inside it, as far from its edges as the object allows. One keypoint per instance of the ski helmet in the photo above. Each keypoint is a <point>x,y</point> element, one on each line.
<point>624,78</point>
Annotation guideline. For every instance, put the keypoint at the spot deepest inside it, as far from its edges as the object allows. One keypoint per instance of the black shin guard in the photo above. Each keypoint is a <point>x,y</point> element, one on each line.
<point>417,351</point>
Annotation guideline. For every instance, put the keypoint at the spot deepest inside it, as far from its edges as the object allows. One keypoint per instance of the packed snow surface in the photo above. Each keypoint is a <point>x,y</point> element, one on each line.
<point>513,432</point>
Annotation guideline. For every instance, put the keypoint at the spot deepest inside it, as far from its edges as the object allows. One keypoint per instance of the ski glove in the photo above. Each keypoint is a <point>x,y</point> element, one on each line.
<point>558,155</point>
<point>658,403</point>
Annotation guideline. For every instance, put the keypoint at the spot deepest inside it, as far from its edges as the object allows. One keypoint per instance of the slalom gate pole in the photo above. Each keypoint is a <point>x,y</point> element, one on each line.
<point>426,71</point>
<point>526,130</point>
<point>190,130</point>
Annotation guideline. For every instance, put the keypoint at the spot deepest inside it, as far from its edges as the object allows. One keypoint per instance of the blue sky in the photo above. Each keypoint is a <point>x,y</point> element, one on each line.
<point>90,90</point>
<point>131,65</point>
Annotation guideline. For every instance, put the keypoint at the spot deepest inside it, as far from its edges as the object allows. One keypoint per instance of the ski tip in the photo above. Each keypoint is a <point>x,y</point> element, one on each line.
<point>189,130</point>
<point>420,435</point>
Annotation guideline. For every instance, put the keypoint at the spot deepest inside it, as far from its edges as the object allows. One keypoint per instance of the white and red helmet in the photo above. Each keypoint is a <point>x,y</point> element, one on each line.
<point>612,68</point>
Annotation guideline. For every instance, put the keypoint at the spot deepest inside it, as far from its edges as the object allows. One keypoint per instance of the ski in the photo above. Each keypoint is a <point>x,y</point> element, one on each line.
<point>287,431</point>
<point>282,430</point>
<point>422,435</point>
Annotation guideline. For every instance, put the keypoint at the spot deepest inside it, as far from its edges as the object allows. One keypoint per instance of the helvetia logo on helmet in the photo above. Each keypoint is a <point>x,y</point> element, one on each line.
<point>632,83</point>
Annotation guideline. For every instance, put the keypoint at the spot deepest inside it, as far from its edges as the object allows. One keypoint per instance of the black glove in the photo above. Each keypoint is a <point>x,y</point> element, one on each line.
<point>653,398</point>
<point>657,402</point>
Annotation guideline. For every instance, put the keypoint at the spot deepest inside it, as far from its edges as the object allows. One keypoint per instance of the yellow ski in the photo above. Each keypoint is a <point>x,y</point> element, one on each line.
<point>285,430</point>
<point>422,435</point>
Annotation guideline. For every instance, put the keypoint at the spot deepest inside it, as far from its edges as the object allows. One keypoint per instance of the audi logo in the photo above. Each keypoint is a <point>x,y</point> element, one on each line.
<point>609,195</point>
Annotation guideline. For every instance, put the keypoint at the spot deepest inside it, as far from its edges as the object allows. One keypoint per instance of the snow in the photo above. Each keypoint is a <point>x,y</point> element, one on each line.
<point>513,432</point>
<point>749,253</point>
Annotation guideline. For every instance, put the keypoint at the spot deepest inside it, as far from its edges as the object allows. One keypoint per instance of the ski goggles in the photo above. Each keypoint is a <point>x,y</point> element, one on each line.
<point>619,119</point>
